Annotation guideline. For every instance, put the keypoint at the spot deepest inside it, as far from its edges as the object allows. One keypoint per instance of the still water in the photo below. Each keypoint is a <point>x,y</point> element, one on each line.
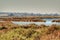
<point>48,22</point>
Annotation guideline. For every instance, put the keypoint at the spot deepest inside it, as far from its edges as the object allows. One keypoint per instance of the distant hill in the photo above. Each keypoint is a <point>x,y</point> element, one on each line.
<point>26,14</point>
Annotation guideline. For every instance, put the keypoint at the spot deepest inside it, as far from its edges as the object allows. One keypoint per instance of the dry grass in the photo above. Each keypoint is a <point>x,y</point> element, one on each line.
<point>10,31</point>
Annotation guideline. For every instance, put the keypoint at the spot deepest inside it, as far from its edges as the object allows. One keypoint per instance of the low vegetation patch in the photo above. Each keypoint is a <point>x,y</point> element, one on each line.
<point>10,31</point>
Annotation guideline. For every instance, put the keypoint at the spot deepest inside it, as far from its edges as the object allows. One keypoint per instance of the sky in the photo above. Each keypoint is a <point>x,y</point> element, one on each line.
<point>35,6</point>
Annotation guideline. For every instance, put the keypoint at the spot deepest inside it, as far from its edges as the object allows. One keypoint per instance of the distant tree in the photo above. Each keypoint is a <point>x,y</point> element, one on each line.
<point>11,14</point>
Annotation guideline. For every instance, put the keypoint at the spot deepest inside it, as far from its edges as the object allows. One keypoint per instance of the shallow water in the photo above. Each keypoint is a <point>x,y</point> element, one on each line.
<point>48,22</point>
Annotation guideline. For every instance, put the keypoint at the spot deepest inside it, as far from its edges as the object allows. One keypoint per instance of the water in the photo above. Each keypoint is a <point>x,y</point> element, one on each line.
<point>48,22</point>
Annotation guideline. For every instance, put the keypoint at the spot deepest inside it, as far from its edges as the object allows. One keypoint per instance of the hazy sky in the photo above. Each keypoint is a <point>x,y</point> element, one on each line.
<point>42,6</point>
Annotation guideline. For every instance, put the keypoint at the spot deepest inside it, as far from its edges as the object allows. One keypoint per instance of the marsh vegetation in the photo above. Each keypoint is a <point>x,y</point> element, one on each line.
<point>10,31</point>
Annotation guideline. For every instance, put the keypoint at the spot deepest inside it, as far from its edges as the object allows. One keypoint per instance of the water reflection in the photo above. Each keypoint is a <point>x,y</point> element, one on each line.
<point>48,22</point>
<point>38,23</point>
